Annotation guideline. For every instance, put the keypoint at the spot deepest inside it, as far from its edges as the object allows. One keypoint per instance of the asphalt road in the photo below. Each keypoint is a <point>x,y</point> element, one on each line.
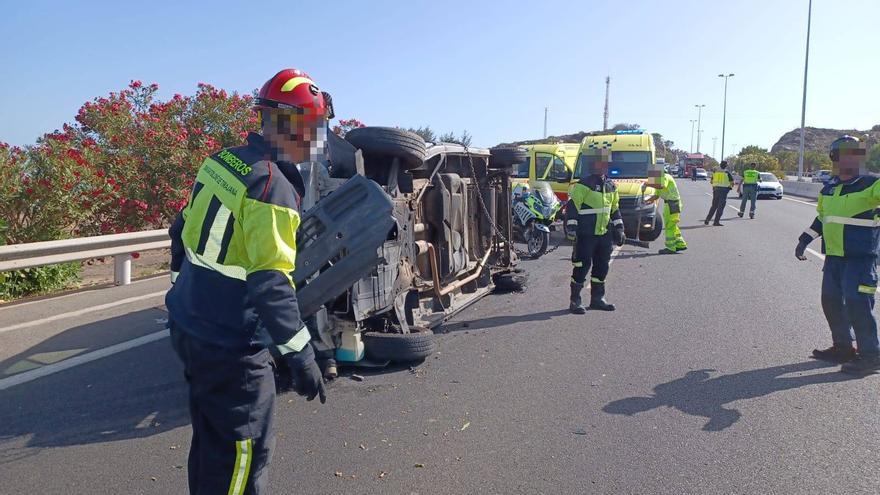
<point>700,383</point>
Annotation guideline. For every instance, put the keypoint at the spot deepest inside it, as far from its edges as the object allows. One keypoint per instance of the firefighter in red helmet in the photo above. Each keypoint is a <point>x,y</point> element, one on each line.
<point>232,298</point>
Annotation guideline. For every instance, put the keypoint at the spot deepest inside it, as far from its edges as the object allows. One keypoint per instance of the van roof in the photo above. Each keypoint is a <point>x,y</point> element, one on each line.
<point>621,142</point>
<point>565,149</point>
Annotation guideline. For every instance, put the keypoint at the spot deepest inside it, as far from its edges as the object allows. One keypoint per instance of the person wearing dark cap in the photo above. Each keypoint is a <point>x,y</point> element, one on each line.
<point>721,184</point>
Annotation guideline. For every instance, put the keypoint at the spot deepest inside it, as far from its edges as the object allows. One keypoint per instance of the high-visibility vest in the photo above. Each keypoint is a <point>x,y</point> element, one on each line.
<point>750,176</point>
<point>593,205</point>
<point>239,236</point>
<point>670,195</point>
<point>848,218</point>
<point>721,179</point>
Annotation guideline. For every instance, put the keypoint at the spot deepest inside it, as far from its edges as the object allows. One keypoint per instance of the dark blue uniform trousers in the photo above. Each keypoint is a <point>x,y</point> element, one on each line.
<point>846,307</point>
<point>231,398</point>
<point>591,251</point>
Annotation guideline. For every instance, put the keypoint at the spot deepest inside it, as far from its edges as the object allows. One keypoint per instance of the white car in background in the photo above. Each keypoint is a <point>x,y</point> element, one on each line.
<point>768,185</point>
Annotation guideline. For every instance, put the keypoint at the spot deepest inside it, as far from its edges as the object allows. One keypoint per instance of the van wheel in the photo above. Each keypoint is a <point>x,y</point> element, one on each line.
<point>503,158</point>
<point>381,144</point>
<point>399,347</point>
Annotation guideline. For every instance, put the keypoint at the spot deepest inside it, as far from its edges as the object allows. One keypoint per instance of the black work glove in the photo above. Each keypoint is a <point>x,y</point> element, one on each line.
<point>307,378</point>
<point>619,237</point>
<point>799,251</point>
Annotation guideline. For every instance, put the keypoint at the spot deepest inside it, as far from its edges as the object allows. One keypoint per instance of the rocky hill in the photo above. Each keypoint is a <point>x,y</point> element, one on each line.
<point>820,139</point>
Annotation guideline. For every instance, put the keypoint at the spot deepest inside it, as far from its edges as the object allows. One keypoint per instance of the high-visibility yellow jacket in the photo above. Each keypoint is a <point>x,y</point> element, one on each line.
<point>593,205</point>
<point>234,246</point>
<point>722,178</point>
<point>848,218</point>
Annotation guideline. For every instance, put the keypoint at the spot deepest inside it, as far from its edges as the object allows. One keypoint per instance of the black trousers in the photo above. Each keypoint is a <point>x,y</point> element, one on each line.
<point>231,399</point>
<point>719,202</point>
<point>591,251</point>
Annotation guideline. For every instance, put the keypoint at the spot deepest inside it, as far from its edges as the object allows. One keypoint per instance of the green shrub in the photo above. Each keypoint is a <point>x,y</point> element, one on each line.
<point>30,281</point>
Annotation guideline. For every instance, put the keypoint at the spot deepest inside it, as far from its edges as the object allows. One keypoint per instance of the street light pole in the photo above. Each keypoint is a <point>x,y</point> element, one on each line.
<point>692,135</point>
<point>714,142</point>
<point>800,175</point>
<point>699,123</point>
<point>546,109</point>
<point>724,117</point>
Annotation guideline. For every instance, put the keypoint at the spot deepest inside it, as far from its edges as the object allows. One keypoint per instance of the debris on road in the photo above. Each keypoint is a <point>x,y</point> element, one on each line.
<point>338,474</point>
<point>382,474</point>
<point>357,378</point>
<point>419,465</point>
<point>466,426</point>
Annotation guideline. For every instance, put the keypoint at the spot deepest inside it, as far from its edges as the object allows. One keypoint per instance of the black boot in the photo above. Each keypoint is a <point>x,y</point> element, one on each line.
<point>836,354</point>
<point>862,365</point>
<point>597,298</point>
<point>575,304</point>
<point>740,214</point>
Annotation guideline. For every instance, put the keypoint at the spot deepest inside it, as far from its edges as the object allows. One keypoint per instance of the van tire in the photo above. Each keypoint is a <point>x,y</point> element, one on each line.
<point>504,158</point>
<point>399,347</point>
<point>382,143</point>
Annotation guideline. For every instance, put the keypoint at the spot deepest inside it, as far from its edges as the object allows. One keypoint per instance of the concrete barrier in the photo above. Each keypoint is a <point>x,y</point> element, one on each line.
<point>809,190</point>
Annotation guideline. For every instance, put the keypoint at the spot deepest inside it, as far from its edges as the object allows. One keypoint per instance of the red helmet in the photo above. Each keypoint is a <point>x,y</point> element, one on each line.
<point>293,89</point>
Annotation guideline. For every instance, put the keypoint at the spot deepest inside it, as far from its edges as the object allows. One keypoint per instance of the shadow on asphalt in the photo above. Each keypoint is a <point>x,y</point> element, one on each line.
<point>698,394</point>
<point>497,321</point>
<point>136,393</point>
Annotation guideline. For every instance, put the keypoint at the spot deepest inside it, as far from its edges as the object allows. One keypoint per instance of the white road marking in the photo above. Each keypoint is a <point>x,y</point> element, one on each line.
<point>811,251</point>
<point>51,369</point>
<point>728,205</point>
<point>80,312</point>
<point>13,306</point>
<point>799,201</point>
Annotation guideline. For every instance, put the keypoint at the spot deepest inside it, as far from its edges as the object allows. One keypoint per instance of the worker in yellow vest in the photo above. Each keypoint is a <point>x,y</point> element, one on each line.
<point>749,190</point>
<point>721,184</point>
<point>671,215</point>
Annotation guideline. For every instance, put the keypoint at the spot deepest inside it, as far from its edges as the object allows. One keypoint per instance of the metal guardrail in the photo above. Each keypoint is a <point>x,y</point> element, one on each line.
<point>120,246</point>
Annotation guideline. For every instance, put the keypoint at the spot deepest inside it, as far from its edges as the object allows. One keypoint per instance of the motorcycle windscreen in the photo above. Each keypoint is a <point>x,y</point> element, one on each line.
<point>545,193</point>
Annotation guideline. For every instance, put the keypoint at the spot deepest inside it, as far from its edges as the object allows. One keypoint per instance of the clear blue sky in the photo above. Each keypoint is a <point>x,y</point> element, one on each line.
<point>484,66</point>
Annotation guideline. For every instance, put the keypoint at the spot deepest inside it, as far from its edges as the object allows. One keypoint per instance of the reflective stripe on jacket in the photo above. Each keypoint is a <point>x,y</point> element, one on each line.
<point>593,205</point>
<point>235,247</point>
<point>848,218</point>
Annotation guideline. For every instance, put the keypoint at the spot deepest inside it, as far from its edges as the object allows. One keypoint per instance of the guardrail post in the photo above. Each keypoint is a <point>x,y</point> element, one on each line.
<point>122,269</point>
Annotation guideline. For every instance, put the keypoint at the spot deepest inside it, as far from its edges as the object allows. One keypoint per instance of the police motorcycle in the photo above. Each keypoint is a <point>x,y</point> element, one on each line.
<point>534,211</point>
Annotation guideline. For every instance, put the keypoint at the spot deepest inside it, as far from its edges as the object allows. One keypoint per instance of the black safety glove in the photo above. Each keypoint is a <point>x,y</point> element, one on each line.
<point>619,237</point>
<point>307,378</point>
<point>799,251</point>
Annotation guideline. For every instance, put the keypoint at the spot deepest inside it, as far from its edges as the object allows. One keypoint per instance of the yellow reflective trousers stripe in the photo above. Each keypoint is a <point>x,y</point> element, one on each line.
<point>242,467</point>
<point>867,289</point>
